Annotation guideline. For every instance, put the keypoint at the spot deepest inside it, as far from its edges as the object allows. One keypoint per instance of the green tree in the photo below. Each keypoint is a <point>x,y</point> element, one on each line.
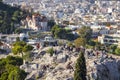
<point>112,48</point>
<point>2,66</point>
<point>60,33</point>
<point>80,42</point>
<point>4,76</point>
<point>18,30</point>
<point>17,50</point>
<point>91,43</point>
<point>17,74</point>
<point>20,47</point>
<point>16,61</point>
<point>17,39</point>
<point>27,48</point>
<point>117,51</point>
<point>98,46</point>
<point>51,23</point>
<point>50,51</point>
<point>70,44</point>
<point>70,36</point>
<point>9,67</point>
<point>27,56</point>
<point>64,34</point>
<point>5,26</point>
<point>85,32</point>
<point>9,16</point>
<point>80,68</point>
<point>54,28</point>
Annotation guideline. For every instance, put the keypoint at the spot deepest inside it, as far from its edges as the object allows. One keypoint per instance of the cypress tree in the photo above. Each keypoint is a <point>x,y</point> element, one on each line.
<point>80,68</point>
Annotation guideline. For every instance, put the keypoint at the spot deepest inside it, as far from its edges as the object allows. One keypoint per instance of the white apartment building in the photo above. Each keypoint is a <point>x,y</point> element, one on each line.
<point>110,39</point>
<point>102,30</point>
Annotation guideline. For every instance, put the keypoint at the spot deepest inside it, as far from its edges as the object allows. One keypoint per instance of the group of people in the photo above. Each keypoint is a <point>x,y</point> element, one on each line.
<point>100,55</point>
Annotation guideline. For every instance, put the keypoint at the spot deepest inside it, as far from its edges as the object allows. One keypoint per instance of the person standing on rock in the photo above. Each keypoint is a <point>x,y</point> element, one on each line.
<point>97,54</point>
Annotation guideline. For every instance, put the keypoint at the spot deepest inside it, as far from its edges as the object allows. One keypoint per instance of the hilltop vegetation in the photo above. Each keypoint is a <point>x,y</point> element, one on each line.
<point>9,17</point>
<point>9,68</point>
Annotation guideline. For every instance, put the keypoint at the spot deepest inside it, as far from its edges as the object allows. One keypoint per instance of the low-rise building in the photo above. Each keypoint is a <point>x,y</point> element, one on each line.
<point>48,41</point>
<point>110,38</point>
<point>102,30</point>
<point>37,22</point>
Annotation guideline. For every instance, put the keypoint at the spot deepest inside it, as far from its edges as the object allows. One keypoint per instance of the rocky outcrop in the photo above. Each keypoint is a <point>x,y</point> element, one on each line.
<point>61,65</point>
<point>108,69</point>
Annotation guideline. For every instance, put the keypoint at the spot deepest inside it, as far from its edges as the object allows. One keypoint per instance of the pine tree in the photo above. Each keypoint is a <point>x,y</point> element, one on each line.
<point>80,68</point>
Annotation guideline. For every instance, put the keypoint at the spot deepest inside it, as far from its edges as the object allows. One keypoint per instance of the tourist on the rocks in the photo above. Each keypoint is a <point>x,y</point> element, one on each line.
<point>106,56</point>
<point>66,47</point>
<point>93,54</point>
<point>82,49</point>
<point>61,48</point>
<point>88,54</point>
<point>97,54</point>
<point>111,58</point>
<point>104,52</point>
<point>101,59</point>
<point>91,51</point>
<point>71,48</point>
<point>38,45</point>
<point>95,62</point>
<point>77,49</point>
<point>44,67</point>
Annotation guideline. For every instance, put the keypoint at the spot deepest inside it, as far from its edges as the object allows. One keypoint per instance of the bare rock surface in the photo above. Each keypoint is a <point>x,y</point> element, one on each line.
<point>61,65</point>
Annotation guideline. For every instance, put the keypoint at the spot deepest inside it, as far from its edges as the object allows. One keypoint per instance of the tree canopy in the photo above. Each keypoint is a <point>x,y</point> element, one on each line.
<point>112,48</point>
<point>85,32</point>
<point>80,42</point>
<point>20,47</point>
<point>117,51</point>
<point>9,16</point>
<point>51,23</point>
<point>62,33</point>
<point>50,51</point>
<point>9,68</point>
<point>17,74</point>
<point>80,68</point>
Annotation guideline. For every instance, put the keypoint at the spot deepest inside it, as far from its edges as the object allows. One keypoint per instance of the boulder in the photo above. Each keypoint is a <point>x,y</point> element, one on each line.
<point>62,58</point>
<point>106,70</point>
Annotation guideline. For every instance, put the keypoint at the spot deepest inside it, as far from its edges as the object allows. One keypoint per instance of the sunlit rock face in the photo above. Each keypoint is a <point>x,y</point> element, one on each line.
<point>61,65</point>
<point>109,69</point>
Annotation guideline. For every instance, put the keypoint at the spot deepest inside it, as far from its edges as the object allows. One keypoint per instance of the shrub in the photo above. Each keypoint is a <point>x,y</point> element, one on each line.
<point>117,51</point>
<point>50,51</point>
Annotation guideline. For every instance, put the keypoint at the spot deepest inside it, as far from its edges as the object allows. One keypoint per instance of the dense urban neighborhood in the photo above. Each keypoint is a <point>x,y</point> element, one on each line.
<point>59,40</point>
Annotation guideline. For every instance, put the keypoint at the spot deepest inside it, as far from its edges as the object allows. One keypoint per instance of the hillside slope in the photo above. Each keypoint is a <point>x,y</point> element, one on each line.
<point>9,16</point>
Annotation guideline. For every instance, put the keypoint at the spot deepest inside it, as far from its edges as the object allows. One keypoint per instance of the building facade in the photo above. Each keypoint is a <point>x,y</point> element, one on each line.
<point>37,22</point>
<point>110,39</point>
